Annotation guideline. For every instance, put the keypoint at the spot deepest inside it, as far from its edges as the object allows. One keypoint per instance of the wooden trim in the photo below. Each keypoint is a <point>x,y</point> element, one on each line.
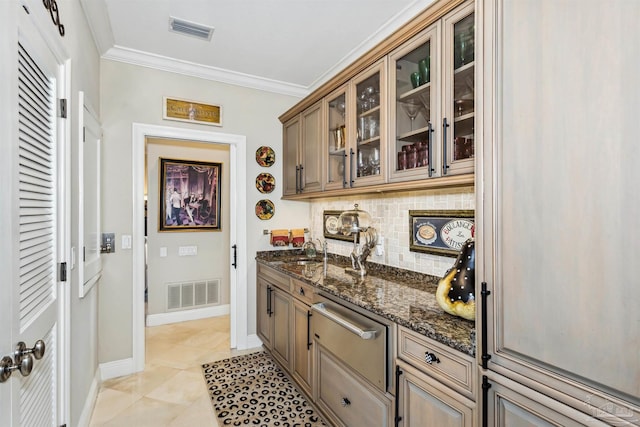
<point>394,187</point>
<point>430,15</point>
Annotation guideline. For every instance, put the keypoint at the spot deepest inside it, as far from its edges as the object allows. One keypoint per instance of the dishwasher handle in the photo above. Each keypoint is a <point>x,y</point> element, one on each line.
<point>365,335</point>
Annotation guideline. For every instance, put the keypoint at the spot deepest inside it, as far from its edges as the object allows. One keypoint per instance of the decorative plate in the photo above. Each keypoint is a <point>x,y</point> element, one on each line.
<point>265,209</point>
<point>265,183</point>
<point>265,156</point>
<point>331,224</point>
<point>426,234</point>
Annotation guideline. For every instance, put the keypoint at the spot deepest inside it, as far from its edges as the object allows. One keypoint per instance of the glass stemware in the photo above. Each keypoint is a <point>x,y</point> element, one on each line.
<point>411,108</point>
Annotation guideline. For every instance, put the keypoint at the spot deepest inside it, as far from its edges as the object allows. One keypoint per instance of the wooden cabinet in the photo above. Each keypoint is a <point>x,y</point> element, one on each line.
<point>424,402</point>
<point>435,384</point>
<point>301,365</point>
<point>556,207</point>
<point>274,313</point>
<point>367,109</point>
<point>432,86</point>
<point>302,151</point>
<point>345,397</point>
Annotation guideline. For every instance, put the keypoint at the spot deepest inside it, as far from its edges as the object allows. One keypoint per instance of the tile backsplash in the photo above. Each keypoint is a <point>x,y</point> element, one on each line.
<point>390,215</point>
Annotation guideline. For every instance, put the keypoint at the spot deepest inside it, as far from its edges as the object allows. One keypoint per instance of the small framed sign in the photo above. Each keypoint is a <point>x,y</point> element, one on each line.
<point>440,232</point>
<point>183,110</point>
<point>331,227</point>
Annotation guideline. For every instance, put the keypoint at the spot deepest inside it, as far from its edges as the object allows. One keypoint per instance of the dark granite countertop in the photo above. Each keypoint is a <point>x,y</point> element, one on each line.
<point>405,297</point>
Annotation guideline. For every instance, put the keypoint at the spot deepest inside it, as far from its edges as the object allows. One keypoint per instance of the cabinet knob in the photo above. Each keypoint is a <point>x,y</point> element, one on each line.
<point>345,402</point>
<point>431,358</point>
<point>301,291</point>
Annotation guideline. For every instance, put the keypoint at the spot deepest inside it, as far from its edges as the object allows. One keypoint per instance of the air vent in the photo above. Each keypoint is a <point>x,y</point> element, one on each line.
<point>193,294</point>
<point>190,28</point>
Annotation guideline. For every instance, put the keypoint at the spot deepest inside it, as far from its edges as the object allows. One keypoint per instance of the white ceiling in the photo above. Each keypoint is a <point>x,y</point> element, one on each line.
<point>285,46</point>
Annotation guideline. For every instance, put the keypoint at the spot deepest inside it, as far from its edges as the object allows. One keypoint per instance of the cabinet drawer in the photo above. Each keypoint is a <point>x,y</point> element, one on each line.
<point>274,277</point>
<point>302,291</point>
<point>441,362</point>
<point>347,399</point>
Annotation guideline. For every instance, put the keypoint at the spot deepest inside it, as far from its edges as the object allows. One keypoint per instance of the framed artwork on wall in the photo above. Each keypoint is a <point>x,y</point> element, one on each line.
<point>440,232</point>
<point>183,110</point>
<point>189,195</point>
<point>331,227</point>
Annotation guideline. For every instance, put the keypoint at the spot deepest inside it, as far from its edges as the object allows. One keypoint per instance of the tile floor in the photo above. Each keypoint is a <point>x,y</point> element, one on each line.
<point>171,391</point>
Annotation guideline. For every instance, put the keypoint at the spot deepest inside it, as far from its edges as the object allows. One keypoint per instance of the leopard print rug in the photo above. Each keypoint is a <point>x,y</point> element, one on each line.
<point>253,390</point>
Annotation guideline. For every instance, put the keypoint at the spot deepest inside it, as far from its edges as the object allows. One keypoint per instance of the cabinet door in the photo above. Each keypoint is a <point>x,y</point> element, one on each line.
<point>335,145</point>
<point>281,325</point>
<point>513,405</point>
<point>264,319</point>
<point>558,203</point>
<point>302,345</point>
<point>426,402</point>
<point>290,159</point>
<point>367,148</point>
<point>458,122</point>
<point>414,153</point>
<point>311,149</point>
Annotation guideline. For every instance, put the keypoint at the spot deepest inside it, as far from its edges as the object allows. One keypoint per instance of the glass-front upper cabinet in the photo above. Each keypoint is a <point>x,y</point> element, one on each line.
<point>432,108</point>
<point>336,144</point>
<point>459,96</point>
<point>367,140</point>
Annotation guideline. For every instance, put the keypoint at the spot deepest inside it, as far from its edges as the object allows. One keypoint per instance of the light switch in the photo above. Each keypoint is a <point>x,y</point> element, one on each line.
<point>126,241</point>
<point>163,251</point>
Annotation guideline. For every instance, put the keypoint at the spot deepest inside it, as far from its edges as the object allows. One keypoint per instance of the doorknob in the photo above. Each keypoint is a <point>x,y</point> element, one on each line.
<point>23,357</point>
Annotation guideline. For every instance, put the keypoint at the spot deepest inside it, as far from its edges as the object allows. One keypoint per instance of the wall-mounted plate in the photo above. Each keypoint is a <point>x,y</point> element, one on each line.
<point>265,156</point>
<point>265,209</point>
<point>265,183</point>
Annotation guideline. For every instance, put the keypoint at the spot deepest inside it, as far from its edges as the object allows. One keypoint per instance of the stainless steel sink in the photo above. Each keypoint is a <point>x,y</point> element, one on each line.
<point>307,262</point>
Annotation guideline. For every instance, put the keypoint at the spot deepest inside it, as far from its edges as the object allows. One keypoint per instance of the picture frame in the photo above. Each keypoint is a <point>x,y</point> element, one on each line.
<point>440,232</point>
<point>330,226</point>
<point>190,195</point>
<point>184,110</point>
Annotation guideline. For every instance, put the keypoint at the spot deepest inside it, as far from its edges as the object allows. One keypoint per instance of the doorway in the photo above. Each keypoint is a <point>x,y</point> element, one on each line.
<point>237,233</point>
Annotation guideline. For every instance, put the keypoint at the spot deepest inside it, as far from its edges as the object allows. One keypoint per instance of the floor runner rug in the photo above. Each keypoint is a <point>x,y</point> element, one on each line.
<point>252,390</point>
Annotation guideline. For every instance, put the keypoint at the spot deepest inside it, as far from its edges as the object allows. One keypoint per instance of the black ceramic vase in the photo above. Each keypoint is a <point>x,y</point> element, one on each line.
<point>456,290</point>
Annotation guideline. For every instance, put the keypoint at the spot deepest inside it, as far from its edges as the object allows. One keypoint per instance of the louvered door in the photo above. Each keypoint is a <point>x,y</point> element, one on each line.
<point>31,250</point>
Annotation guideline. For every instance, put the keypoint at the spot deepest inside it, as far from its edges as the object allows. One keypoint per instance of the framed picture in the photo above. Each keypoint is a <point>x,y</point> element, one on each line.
<point>440,232</point>
<point>183,110</point>
<point>189,195</point>
<point>331,228</point>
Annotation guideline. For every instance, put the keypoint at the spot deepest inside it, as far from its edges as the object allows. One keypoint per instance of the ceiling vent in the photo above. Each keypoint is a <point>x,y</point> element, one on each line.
<point>190,28</point>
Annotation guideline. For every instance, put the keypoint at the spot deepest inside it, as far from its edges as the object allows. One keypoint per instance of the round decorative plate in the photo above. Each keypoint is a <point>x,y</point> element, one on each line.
<point>265,183</point>
<point>265,209</point>
<point>331,224</point>
<point>426,234</point>
<point>265,156</point>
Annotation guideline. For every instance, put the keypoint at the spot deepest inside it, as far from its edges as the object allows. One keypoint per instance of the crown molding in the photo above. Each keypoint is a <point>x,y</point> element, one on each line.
<point>95,11</point>
<point>158,62</point>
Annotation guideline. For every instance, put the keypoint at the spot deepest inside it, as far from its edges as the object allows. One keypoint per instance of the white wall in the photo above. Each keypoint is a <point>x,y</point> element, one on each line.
<point>134,94</point>
<point>390,217</point>
<point>212,259</point>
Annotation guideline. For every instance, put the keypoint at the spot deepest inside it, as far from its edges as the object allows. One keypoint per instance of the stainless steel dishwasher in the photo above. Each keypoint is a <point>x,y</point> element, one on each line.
<point>356,337</point>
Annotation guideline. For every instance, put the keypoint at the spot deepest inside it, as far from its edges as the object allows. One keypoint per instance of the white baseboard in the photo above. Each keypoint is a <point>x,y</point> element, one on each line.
<point>90,402</point>
<point>117,368</point>
<point>252,342</point>
<point>184,315</point>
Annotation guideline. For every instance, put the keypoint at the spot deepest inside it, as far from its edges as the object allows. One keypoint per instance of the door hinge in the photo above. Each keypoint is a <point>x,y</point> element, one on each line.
<point>84,134</point>
<point>62,108</point>
<point>62,272</point>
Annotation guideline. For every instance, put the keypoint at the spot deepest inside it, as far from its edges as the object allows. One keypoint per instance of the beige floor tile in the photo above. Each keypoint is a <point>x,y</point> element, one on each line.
<point>110,403</point>
<point>152,377</point>
<point>146,413</point>
<point>198,414</point>
<point>184,388</point>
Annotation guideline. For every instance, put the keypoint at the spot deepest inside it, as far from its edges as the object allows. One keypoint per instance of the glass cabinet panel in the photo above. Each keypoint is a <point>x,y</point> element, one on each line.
<point>414,106</point>
<point>461,111</point>
<point>337,139</point>
<point>365,158</point>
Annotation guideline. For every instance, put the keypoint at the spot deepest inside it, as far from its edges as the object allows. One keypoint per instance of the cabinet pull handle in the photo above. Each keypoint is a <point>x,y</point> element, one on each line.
<point>269,290</point>
<point>445,166</point>
<point>301,178</point>
<point>345,402</point>
<point>398,418</point>
<point>351,153</point>
<point>309,329</point>
<point>431,358</point>
<point>485,401</point>
<point>429,150</point>
<point>484,293</point>
<point>344,170</point>
<point>235,256</point>
<point>297,180</point>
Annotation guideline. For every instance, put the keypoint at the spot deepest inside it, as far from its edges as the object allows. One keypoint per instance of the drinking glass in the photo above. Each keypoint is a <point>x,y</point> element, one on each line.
<point>411,108</point>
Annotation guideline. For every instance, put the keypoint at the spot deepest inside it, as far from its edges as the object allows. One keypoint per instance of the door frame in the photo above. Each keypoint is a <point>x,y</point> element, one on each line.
<point>237,232</point>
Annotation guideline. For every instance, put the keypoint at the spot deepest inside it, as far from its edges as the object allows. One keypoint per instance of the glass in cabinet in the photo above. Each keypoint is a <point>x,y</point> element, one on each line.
<point>366,151</point>
<point>432,111</point>
<point>336,143</point>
